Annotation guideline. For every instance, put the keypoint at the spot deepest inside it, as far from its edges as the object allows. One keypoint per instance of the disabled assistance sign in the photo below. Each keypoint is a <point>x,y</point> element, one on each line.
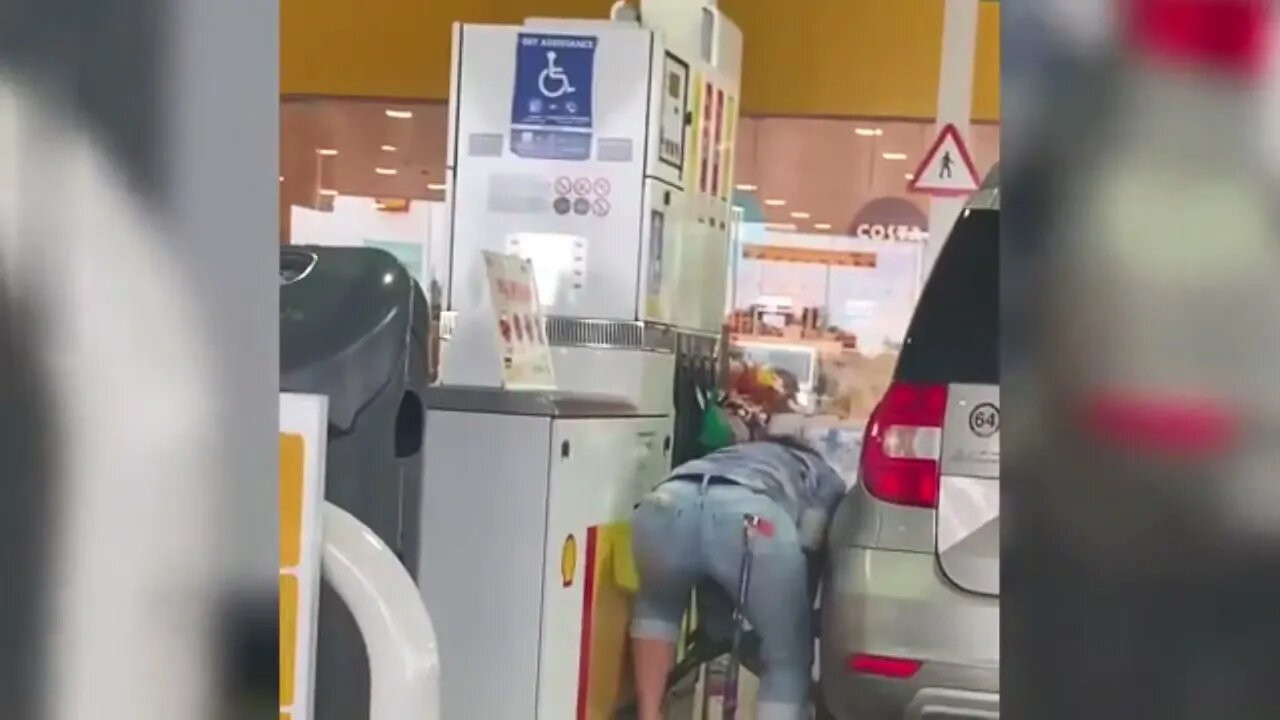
<point>947,169</point>
<point>552,117</point>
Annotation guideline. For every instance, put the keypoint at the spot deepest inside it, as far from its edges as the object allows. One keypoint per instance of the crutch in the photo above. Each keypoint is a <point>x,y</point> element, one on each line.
<point>752,525</point>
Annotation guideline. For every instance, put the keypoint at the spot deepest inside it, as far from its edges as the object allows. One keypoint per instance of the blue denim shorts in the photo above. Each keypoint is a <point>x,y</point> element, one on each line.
<point>687,532</point>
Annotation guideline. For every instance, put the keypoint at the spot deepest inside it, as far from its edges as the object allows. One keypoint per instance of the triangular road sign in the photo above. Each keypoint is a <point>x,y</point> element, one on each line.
<point>947,169</point>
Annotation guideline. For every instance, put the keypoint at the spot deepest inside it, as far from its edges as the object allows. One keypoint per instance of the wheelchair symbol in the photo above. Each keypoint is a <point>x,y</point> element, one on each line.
<point>552,81</point>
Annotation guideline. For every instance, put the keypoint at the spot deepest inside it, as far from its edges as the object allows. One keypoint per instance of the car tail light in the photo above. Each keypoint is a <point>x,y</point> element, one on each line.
<point>1231,35</point>
<point>1165,425</point>
<point>890,667</point>
<point>903,444</point>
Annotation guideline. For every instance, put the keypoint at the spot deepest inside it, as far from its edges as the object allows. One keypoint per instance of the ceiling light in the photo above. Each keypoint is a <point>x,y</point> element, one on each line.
<point>822,226</point>
<point>783,227</point>
<point>327,152</point>
<point>436,186</point>
<point>328,192</point>
<point>747,188</point>
<point>800,215</point>
<point>910,176</point>
<point>893,156</point>
<point>869,132</point>
<point>399,114</point>
<point>385,171</point>
<point>775,202</point>
<point>281,178</point>
<point>388,148</point>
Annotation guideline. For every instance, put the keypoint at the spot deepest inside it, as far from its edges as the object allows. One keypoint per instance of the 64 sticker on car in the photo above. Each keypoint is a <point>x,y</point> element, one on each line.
<point>984,420</point>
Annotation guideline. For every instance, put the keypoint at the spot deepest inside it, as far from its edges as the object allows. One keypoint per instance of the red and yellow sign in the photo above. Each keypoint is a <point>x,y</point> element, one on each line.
<point>813,256</point>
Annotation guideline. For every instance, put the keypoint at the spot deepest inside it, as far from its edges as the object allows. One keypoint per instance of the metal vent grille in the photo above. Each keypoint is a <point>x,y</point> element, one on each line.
<point>610,334</point>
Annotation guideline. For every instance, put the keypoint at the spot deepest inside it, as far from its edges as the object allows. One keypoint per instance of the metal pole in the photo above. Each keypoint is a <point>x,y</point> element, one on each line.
<point>955,106</point>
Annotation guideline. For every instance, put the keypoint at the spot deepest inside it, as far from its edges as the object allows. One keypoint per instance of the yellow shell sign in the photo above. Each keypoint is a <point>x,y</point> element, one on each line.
<point>568,561</point>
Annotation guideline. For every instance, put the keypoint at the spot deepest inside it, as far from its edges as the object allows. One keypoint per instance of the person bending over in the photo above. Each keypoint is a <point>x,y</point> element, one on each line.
<point>690,529</point>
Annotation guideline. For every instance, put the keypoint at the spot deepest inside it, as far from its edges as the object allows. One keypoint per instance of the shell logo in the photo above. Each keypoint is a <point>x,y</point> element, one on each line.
<point>568,561</point>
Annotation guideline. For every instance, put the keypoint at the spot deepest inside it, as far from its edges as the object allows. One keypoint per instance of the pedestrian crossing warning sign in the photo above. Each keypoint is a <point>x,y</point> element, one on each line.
<point>947,169</point>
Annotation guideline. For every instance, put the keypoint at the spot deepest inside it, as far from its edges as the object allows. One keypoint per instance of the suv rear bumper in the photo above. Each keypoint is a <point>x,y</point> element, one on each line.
<point>898,604</point>
<point>869,698</point>
<point>940,704</point>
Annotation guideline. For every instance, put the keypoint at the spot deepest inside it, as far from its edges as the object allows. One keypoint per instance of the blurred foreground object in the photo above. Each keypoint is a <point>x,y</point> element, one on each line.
<point>1143,330</point>
<point>127,579</point>
<point>137,363</point>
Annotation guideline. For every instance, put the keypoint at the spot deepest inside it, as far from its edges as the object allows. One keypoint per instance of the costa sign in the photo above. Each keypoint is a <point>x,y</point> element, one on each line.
<point>890,219</point>
<point>896,233</point>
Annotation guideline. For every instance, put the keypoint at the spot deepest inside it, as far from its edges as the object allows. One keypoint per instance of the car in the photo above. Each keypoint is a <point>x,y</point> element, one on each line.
<point>910,625</point>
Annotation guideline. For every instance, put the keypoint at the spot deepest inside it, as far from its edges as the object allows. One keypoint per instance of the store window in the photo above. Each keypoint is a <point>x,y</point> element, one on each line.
<point>827,254</point>
<point>357,156</point>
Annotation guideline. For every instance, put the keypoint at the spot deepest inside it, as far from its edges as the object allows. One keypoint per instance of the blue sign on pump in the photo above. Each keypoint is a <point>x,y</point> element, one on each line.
<point>551,109</point>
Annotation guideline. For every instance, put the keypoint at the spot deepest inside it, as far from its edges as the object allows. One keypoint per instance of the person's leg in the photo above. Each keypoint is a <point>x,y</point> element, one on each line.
<point>778,604</point>
<point>665,542</point>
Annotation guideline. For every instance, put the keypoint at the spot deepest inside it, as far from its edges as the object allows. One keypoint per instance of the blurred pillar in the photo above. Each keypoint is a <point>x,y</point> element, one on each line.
<point>955,106</point>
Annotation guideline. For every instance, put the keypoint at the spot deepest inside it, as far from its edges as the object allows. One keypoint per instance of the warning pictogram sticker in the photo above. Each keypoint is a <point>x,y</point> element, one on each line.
<point>602,187</point>
<point>582,186</point>
<point>600,207</point>
<point>564,186</point>
<point>947,169</point>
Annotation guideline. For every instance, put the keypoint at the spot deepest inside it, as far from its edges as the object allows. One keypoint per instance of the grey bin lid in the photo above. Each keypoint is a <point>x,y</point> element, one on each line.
<point>346,320</point>
<point>538,403</point>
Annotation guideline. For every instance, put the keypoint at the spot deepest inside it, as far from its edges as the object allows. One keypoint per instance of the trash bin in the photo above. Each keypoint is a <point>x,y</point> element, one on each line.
<point>355,326</point>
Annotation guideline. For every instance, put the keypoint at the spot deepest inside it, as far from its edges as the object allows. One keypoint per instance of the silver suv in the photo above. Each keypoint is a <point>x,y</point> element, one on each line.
<point>911,599</point>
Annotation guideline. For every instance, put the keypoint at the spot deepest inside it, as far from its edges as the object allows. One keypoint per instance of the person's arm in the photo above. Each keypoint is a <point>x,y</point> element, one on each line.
<point>829,490</point>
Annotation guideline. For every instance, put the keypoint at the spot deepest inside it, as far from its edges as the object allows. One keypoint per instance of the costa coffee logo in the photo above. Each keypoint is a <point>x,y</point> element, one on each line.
<point>894,233</point>
<point>890,219</point>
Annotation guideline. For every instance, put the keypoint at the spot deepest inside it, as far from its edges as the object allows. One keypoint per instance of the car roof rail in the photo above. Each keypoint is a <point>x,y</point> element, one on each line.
<point>988,195</point>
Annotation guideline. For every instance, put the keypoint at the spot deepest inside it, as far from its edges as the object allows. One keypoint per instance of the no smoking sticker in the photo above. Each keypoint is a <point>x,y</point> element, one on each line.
<point>602,187</point>
<point>600,207</point>
<point>564,186</point>
<point>582,186</point>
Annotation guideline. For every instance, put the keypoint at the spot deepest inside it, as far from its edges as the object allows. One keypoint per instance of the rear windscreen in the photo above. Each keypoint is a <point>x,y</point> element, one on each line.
<point>954,336</point>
